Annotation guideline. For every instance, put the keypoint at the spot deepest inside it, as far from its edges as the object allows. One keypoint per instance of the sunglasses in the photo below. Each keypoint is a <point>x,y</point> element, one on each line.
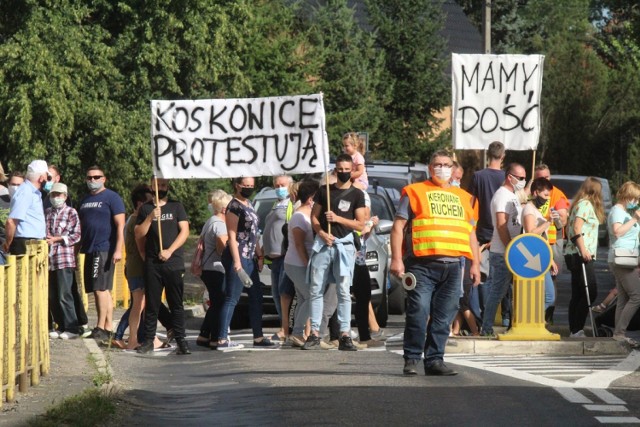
<point>94,177</point>
<point>519,178</point>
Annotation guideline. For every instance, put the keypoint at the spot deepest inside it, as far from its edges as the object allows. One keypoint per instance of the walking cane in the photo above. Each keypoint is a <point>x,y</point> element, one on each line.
<point>586,288</point>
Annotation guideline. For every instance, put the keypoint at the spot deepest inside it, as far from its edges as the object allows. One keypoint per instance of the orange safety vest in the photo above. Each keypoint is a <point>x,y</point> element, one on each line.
<point>443,220</point>
<point>558,201</point>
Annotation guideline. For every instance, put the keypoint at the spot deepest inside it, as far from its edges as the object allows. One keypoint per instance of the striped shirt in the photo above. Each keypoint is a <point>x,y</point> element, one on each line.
<point>62,222</point>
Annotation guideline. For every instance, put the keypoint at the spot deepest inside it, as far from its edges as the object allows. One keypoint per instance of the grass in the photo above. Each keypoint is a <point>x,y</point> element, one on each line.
<point>102,376</point>
<point>90,408</point>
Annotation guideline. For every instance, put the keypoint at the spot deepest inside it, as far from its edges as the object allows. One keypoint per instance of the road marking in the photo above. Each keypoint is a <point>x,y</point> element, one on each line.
<point>593,372</point>
<point>606,396</point>
<point>606,408</point>
<point>618,420</point>
<point>573,396</point>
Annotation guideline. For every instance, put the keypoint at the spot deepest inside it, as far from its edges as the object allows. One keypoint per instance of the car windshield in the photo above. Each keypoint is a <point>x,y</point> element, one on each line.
<point>380,208</point>
<point>568,187</point>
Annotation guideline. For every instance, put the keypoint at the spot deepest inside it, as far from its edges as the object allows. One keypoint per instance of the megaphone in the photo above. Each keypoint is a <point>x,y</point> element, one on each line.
<point>408,281</point>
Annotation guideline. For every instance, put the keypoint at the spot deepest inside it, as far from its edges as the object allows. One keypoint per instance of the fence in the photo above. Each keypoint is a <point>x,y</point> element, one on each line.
<point>24,344</point>
<point>24,321</point>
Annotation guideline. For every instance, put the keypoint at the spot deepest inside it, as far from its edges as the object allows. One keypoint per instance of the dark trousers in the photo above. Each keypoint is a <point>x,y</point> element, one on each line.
<point>578,305</point>
<point>81,313</point>
<point>361,289</point>
<point>214,281</point>
<point>61,299</point>
<point>159,277</point>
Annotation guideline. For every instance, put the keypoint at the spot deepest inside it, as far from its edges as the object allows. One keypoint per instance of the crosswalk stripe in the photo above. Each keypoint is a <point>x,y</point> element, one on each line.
<point>618,420</point>
<point>606,408</point>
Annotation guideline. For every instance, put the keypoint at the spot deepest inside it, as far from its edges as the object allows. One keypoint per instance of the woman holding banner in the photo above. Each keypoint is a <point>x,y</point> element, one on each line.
<point>242,257</point>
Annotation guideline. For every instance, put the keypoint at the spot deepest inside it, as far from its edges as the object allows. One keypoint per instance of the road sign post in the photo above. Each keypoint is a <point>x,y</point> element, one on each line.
<point>528,257</point>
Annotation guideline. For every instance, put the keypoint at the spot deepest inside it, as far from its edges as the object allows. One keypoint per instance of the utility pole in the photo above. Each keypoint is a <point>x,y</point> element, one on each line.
<point>486,45</point>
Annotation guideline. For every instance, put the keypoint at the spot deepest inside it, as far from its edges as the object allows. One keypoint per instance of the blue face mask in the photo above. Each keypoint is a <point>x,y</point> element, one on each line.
<point>632,206</point>
<point>48,186</point>
<point>455,184</point>
<point>282,193</point>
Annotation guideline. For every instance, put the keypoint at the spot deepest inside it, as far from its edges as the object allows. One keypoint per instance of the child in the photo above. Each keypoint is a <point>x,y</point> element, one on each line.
<point>352,144</point>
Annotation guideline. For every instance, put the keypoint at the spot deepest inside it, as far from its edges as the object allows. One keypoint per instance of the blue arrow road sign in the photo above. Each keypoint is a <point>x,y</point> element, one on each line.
<point>528,256</point>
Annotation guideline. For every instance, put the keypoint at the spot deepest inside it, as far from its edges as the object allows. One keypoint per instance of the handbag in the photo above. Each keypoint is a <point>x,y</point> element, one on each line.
<point>625,258</point>
<point>196,261</point>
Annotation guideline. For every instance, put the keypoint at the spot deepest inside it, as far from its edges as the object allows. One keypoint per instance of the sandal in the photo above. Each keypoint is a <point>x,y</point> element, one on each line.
<point>118,344</point>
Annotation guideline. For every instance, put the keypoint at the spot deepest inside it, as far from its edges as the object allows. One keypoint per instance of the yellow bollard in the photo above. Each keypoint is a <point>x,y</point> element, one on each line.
<point>43,305</point>
<point>22,279</point>
<point>528,257</point>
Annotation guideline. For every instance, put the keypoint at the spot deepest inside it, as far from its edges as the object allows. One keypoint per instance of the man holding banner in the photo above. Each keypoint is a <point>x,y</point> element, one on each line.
<point>338,211</point>
<point>163,228</point>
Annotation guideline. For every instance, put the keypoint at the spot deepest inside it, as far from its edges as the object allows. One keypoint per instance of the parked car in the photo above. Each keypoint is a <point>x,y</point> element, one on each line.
<point>378,257</point>
<point>570,184</point>
<point>394,176</point>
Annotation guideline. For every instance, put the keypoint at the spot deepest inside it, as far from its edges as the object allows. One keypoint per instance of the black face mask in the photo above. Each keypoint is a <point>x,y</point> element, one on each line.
<point>343,176</point>
<point>246,192</point>
<point>539,202</point>
<point>162,193</point>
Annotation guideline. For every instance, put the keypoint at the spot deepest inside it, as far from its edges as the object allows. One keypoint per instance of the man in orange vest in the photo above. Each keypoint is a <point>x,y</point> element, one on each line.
<point>439,225</point>
<point>557,207</point>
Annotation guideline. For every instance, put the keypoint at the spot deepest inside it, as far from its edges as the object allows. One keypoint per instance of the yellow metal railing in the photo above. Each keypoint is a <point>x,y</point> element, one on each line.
<point>24,344</point>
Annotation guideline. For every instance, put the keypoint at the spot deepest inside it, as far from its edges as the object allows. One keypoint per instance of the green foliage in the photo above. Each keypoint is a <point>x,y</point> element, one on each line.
<point>351,74</point>
<point>91,408</point>
<point>407,31</point>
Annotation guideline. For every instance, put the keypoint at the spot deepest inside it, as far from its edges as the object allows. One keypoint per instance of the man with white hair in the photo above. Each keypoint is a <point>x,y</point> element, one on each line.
<point>26,216</point>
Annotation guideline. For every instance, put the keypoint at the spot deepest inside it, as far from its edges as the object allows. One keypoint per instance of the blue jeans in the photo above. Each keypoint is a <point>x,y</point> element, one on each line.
<point>549,291</point>
<point>60,282</point>
<point>233,290</point>
<point>321,265</point>
<point>496,287</point>
<point>436,294</point>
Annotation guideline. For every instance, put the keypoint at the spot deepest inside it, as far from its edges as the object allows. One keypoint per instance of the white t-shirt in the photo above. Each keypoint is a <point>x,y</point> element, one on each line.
<point>303,222</point>
<point>504,200</point>
<point>530,209</point>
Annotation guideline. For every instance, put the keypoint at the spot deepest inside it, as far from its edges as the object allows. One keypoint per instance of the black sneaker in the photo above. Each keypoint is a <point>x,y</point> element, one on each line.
<point>145,348</point>
<point>346,344</point>
<point>95,333</point>
<point>183,347</point>
<point>438,368</point>
<point>410,367</point>
<point>312,343</point>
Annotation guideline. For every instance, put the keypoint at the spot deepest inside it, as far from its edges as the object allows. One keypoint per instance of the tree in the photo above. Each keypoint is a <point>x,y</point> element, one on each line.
<point>407,31</point>
<point>351,73</point>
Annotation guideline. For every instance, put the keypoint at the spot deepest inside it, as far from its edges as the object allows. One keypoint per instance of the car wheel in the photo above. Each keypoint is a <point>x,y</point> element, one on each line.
<point>382,310</point>
<point>396,299</point>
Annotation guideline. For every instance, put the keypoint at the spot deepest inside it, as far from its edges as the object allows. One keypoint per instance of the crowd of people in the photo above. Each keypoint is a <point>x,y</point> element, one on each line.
<point>452,242</point>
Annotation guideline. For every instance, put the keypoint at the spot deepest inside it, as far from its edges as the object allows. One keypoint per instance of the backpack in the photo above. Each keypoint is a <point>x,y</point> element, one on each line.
<point>196,261</point>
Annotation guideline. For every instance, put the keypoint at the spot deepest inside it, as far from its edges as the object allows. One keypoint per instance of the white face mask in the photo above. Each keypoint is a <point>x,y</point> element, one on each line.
<point>57,202</point>
<point>442,173</point>
<point>95,185</point>
<point>518,185</point>
<point>12,189</point>
<point>455,184</point>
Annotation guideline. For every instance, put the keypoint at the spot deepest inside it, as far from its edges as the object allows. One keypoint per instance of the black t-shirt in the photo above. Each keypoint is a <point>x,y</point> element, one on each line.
<point>172,213</point>
<point>343,203</point>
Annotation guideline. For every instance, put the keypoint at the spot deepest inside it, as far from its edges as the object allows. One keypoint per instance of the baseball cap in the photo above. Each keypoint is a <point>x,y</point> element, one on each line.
<point>59,187</point>
<point>38,167</point>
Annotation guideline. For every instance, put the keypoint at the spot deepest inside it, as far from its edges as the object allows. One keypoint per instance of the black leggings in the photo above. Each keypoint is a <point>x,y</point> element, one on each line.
<point>578,305</point>
<point>361,289</point>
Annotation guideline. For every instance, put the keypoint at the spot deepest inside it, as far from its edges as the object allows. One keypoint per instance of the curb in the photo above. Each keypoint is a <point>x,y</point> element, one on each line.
<point>102,365</point>
<point>585,347</point>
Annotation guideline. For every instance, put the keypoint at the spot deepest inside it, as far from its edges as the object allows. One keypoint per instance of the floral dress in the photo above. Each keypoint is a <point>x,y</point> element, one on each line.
<point>247,233</point>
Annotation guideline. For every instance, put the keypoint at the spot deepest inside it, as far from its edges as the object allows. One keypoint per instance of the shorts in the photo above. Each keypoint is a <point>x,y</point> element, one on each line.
<point>98,272</point>
<point>136,283</point>
<point>286,285</point>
